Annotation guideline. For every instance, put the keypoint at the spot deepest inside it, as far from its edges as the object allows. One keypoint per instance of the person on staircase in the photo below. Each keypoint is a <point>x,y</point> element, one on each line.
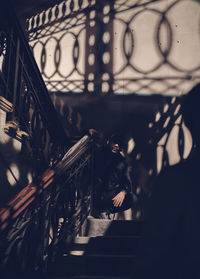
<point>170,247</point>
<point>112,186</point>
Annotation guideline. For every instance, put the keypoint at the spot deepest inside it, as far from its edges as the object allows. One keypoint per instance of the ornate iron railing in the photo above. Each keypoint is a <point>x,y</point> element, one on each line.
<point>36,225</point>
<point>33,116</point>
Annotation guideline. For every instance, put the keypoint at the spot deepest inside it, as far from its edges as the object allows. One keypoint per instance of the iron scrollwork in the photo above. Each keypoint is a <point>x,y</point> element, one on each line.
<point>41,219</point>
<point>32,119</point>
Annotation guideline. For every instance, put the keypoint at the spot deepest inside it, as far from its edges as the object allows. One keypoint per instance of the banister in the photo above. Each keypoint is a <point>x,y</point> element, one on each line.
<point>29,193</point>
<point>32,73</point>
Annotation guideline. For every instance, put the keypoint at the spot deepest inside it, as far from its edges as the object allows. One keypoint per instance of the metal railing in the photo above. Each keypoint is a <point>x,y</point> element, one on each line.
<point>36,225</point>
<point>33,118</point>
<point>51,209</point>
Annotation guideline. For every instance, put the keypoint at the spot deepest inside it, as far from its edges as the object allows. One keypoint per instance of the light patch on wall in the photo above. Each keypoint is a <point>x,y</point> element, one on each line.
<point>166,107</point>
<point>106,57</point>
<point>16,145</point>
<point>29,177</point>
<point>105,87</point>
<point>157,117</point>
<point>131,145</point>
<point>3,137</point>
<point>91,59</point>
<point>13,174</point>
<point>91,41</point>
<point>172,146</point>
<point>159,154</point>
<point>187,140</point>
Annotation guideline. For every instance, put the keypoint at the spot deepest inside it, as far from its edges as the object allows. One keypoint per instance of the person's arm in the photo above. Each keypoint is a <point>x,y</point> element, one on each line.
<point>119,198</point>
<point>124,184</point>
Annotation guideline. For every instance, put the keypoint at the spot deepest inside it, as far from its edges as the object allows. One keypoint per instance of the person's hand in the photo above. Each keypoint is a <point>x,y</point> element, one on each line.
<point>119,198</point>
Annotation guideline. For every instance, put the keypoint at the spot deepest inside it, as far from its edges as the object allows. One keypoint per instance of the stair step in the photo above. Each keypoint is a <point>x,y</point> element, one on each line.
<point>95,265</point>
<point>111,245</point>
<point>103,227</point>
<point>87,277</point>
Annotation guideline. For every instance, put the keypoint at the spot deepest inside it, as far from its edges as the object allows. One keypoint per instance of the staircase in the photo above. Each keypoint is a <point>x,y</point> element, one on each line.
<point>13,167</point>
<point>106,249</point>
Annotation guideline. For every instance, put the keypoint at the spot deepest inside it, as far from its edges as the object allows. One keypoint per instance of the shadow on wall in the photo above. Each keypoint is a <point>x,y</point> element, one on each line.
<point>109,114</point>
<point>142,121</point>
<point>16,170</point>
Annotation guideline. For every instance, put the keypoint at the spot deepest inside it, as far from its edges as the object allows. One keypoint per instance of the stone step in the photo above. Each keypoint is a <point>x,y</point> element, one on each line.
<point>102,245</point>
<point>103,227</point>
<point>87,277</point>
<point>95,265</point>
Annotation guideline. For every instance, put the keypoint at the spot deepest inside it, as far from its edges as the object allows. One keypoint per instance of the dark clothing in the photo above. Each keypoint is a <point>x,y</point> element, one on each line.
<point>171,244</point>
<point>111,169</point>
<point>110,174</point>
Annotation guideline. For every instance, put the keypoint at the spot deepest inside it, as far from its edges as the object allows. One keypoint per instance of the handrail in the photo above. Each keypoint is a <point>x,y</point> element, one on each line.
<point>33,117</point>
<point>38,203</point>
<point>32,73</point>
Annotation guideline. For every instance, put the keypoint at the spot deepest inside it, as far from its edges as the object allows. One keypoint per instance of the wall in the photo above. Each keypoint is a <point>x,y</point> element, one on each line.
<point>92,55</point>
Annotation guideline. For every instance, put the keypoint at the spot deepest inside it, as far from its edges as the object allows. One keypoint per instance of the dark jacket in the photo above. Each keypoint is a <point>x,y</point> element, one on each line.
<point>111,170</point>
<point>110,177</point>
